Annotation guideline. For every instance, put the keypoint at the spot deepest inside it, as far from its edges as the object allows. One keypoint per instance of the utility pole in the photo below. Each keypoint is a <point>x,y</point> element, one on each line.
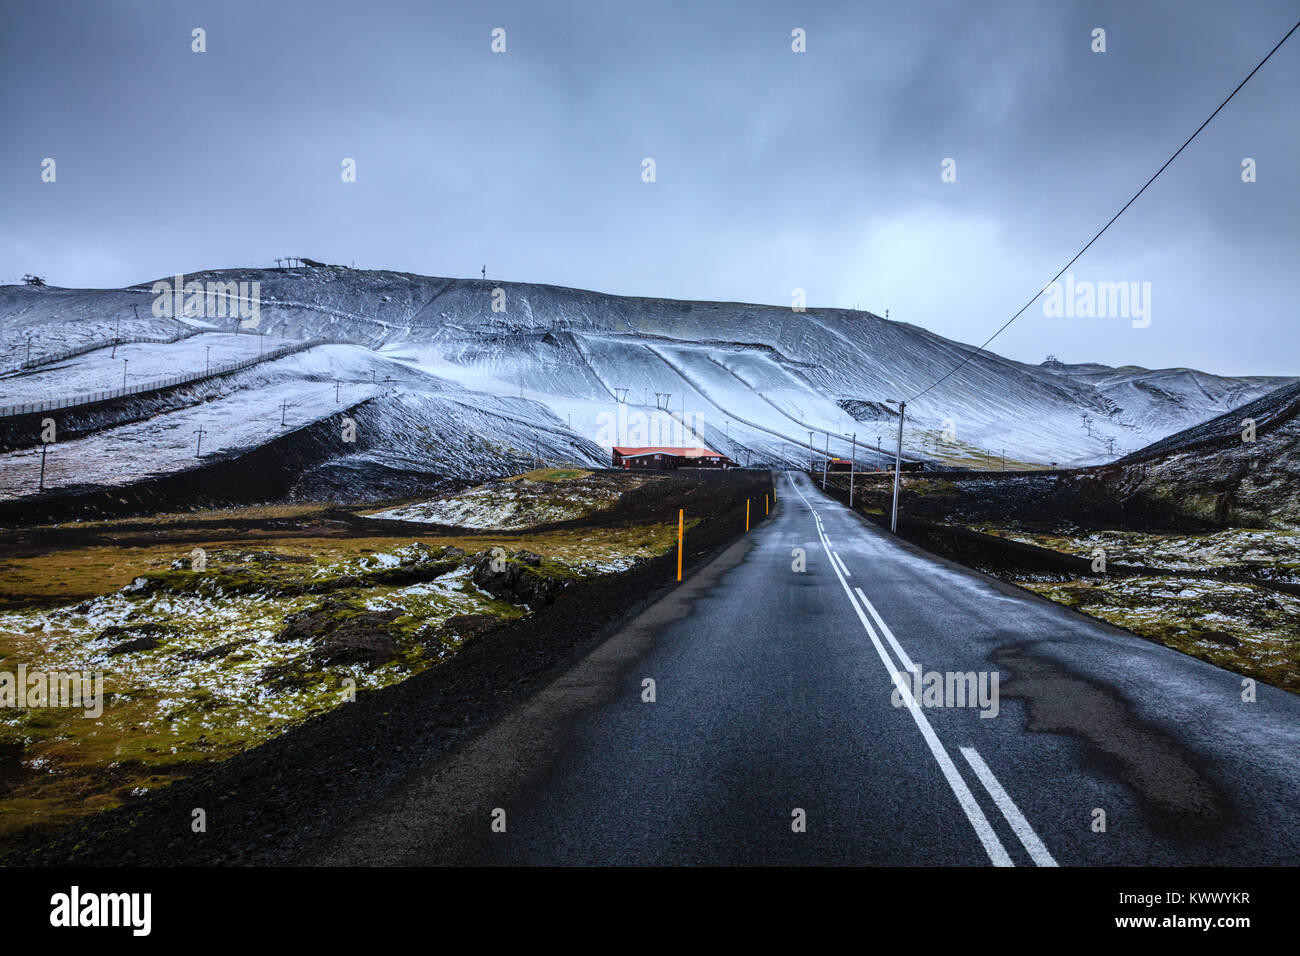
<point>853,464</point>
<point>811,467</point>
<point>1004,459</point>
<point>337,387</point>
<point>45,448</point>
<point>207,359</point>
<point>29,349</point>
<point>284,410</point>
<point>826,465</point>
<point>898,460</point>
<point>124,361</point>
<point>200,431</point>
<point>117,336</point>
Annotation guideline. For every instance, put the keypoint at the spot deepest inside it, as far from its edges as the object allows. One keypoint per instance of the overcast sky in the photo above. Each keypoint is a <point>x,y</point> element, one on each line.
<point>774,169</point>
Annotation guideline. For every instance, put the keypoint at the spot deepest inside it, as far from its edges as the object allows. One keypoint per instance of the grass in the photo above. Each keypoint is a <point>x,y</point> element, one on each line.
<point>203,693</point>
<point>76,574</point>
<point>1238,624</point>
<point>535,498</point>
<point>552,474</point>
<point>242,513</point>
<point>960,454</point>
<point>1251,550</point>
<point>1242,627</point>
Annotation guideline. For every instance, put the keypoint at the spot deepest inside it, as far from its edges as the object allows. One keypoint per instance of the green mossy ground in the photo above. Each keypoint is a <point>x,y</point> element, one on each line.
<point>1238,624</point>
<point>1242,627</point>
<point>534,499</point>
<point>214,677</point>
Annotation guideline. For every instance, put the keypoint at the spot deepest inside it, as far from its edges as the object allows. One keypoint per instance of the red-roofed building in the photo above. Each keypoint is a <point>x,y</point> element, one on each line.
<point>668,458</point>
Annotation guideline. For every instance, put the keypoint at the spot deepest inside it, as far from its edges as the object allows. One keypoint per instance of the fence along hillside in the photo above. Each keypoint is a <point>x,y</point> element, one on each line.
<point>63,356</point>
<point>90,398</point>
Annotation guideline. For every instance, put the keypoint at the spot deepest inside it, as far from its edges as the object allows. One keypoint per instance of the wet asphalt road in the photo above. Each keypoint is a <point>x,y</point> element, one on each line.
<point>775,702</point>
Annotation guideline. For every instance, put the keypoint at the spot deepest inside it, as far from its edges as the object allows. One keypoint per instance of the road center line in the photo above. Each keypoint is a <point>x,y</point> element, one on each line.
<point>889,635</point>
<point>983,829</point>
<point>1008,807</point>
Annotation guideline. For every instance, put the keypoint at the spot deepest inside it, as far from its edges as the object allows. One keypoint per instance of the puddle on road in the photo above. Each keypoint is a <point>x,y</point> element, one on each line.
<point>1174,792</point>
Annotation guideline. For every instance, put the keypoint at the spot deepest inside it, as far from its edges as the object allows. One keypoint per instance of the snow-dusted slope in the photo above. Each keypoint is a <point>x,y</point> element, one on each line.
<point>130,364</point>
<point>1219,471</point>
<point>546,367</point>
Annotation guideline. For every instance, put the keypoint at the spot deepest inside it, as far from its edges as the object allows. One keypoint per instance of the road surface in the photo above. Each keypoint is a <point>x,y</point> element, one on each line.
<point>776,704</point>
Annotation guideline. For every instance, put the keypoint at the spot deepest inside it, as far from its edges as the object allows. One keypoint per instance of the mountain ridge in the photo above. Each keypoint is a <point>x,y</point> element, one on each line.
<point>751,380</point>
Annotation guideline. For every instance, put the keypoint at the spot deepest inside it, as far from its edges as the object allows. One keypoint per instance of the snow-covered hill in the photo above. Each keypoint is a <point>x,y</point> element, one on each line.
<point>1237,469</point>
<point>460,376</point>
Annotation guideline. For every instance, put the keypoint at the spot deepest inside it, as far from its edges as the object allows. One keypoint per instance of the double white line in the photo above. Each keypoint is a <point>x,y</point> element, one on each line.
<point>978,821</point>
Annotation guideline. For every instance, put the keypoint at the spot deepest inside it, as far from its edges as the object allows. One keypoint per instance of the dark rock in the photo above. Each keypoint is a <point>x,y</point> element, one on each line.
<point>1219,637</point>
<point>291,675</point>
<point>343,634</point>
<point>517,578</point>
<point>465,626</point>
<point>143,629</point>
<point>356,643</point>
<point>139,644</point>
<point>462,627</point>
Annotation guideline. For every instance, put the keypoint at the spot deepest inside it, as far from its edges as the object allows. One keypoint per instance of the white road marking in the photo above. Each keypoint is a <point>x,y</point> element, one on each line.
<point>1008,807</point>
<point>889,635</point>
<point>979,822</point>
<point>843,567</point>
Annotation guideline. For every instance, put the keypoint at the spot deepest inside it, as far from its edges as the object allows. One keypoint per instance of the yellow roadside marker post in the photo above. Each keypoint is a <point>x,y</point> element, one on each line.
<point>681,523</point>
<point>765,505</point>
<point>746,514</point>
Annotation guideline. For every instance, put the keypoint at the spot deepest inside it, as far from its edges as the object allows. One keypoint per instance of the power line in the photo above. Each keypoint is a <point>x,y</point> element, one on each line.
<point>1112,219</point>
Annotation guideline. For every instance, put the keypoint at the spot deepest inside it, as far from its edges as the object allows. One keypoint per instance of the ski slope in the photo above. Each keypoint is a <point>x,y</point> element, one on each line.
<point>543,373</point>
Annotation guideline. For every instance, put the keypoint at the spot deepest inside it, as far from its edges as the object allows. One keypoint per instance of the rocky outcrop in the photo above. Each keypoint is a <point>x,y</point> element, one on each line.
<point>518,577</point>
<point>343,634</point>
